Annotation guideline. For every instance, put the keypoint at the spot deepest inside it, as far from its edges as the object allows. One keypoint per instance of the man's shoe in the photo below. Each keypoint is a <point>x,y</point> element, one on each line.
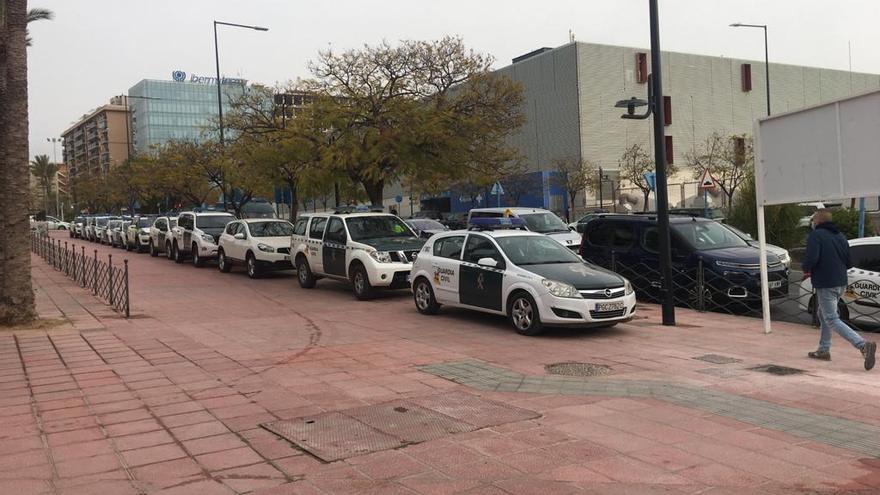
<point>868,351</point>
<point>821,355</point>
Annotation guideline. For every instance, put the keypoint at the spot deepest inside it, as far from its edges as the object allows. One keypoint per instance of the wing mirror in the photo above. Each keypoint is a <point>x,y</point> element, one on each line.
<point>240,236</point>
<point>490,262</point>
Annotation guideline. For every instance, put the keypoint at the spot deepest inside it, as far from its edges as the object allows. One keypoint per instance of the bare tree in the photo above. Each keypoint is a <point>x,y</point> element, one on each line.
<point>575,175</point>
<point>635,162</point>
<point>730,160</point>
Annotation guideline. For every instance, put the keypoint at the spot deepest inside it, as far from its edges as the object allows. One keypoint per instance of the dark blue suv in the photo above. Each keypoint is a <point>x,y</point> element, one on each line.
<point>705,254</point>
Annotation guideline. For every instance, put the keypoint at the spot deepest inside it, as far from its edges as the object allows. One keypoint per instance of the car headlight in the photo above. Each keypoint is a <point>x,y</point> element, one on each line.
<point>265,248</point>
<point>785,258</point>
<point>627,287</point>
<point>561,289</point>
<point>381,256</point>
<point>208,238</point>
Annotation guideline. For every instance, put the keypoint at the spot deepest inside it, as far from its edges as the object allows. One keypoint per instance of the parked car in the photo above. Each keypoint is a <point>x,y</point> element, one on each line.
<point>371,250</point>
<point>425,227</point>
<point>89,228</point>
<point>137,234</point>
<point>77,227</point>
<point>196,236</point>
<point>101,228</point>
<point>454,221</point>
<point>160,235</point>
<point>861,301</point>
<point>113,232</point>
<point>536,220</point>
<point>259,244</point>
<point>51,223</point>
<point>578,225</point>
<point>258,208</point>
<point>528,277</point>
<point>780,252</point>
<point>731,269</point>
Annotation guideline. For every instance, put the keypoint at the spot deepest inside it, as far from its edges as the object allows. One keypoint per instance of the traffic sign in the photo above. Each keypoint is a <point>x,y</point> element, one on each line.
<point>651,179</point>
<point>707,182</point>
<point>497,189</point>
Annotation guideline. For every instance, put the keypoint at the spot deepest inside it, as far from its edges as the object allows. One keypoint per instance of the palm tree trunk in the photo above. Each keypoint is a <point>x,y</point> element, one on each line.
<point>16,290</point>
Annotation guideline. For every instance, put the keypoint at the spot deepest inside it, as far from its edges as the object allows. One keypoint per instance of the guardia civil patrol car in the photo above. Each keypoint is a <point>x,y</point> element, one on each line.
<point>528,277</point>
<point>371,250</point>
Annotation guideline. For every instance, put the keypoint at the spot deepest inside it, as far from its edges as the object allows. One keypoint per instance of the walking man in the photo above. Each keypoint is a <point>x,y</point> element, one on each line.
<point>826,262</point>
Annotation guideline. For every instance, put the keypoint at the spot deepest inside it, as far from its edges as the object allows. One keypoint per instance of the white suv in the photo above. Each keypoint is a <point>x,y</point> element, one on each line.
<point>371,250</point>
<point>260,244</point>
<point>160,236</point>
<point>196,235</point>
<point>536,220</point>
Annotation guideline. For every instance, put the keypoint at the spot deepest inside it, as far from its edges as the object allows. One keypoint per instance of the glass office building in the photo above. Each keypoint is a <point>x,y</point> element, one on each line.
<point>181,110</point>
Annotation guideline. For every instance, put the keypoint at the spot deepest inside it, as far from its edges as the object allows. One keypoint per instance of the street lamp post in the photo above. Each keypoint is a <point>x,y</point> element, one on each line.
<point>766,57</point>
<point>54,142</point>
<point>219,95</point>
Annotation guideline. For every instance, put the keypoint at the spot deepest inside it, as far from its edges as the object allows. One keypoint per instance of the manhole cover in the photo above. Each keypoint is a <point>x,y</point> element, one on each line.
<point>333,436</point>
<point>578,369</point>
<point>717,359</point>
<point>774,369</point>
<point>407,421</point>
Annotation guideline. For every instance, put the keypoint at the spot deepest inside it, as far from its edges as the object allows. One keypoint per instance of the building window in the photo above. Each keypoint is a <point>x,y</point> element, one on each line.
<point>667,110</point>
<point>739,150</point>
<point>669,150</point>
<point>746,70</point>
<point>641,67</point>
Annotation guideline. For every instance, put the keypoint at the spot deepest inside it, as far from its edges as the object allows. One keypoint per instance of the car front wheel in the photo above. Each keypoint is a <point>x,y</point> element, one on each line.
<point>253,269</point>
<point>360,281</point>
<point>176,254</point>
<point>523,314</point>
<point>304,273</point>
<point>223,263</point>
<point>197,260</point>
<point>424,298</point>
<point>153,251</point>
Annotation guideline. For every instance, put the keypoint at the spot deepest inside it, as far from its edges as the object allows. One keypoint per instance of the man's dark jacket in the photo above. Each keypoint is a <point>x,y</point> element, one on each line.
<point>827,257</point>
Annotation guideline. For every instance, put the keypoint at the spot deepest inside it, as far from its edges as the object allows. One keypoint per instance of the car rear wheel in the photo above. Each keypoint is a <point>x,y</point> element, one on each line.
<point>253,269</point>
<point>304,273</point>
<point>423,295</point>
<point>223,263</point>
<point>360,281</point>
<point>176,254</point>
<point>523,314</point>
<point>153,251</point>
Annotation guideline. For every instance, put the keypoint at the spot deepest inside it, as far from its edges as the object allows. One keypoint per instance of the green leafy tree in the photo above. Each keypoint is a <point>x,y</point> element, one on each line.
<point>847,220</point>
<point>430,111</point>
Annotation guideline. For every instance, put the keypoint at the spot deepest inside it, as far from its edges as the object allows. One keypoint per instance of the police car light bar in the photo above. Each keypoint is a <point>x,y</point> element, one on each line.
<point>496,223</point>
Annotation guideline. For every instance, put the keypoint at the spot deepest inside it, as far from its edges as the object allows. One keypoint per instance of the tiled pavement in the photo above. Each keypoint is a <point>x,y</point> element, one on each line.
<point>170,401</point>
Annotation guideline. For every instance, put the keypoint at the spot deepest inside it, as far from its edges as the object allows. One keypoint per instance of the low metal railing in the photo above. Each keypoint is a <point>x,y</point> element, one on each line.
<point>106,281</point>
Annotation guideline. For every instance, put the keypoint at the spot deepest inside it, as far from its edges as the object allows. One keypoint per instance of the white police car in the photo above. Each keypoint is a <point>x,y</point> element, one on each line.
<point>371,250</point>
<point>536,220</point>
<point>529,277</point>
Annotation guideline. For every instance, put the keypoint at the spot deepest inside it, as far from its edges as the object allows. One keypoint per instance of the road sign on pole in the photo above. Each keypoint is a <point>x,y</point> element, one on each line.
<point>707,182</point>
<point>651,179</point>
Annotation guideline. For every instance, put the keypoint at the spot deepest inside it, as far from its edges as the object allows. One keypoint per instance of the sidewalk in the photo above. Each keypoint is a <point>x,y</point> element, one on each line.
<point>172,401</point>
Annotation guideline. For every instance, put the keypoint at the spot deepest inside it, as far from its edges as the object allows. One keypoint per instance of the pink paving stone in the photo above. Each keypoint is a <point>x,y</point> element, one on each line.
<point>25,487</point>
<point>242,423</point>
<point>719,474</point>
<point>297,465</point>
<point>18,445</point>
<point>575,473</point>
<point>629,470</point>
<point>70,412</point>
<point>116,487</point>
<point>238,411</point>
<point>486,469</point>
<point>250,478</point>
<point>496,445</point>
<point>199,430</point>
<point>228,459</point>
<point>445,456</point>
<point>392,467</point>
<point>529,486</point>
<point>11,462</point>
<point>670,458</point>
<point>201,487</point>
<point>130,428</point>
<point>434,483</point>
<point>150,455</point>
<point>67,437</point>
<point>87,465</point>
<point>168,472</point>
<point>140,440</point>
<point>125,416</point>
<point>176,408</point>
<point>81,449</point>
<point>216,443</point>
<point>187,419</point>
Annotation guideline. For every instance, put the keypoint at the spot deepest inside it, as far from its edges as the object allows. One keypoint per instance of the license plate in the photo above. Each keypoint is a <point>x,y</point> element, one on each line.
<point>286,257</point>
<point>775,284</point>
<point>609,306</point>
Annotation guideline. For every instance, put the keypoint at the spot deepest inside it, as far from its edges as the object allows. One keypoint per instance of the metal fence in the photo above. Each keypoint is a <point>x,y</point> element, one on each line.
<point>102,278</point>
<point>735,289</point>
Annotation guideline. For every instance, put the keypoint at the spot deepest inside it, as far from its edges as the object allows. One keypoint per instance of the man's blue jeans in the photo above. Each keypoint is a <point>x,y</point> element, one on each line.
<point>829,319</point>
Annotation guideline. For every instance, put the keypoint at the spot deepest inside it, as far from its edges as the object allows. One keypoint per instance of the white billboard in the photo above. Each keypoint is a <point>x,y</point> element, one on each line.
<point>829,151</point>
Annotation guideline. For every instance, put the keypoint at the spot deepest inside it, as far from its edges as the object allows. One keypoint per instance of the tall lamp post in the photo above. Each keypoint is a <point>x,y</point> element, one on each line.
<point>219,95</point>
<point>655,107</point>
<point>58,209</point>
<point>766,57</point>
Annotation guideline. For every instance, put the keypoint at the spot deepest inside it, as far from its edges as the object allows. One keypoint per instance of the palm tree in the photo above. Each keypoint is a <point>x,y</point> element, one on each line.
<point>44,171</point>
<point>37,15</point>
<point>16,289</point>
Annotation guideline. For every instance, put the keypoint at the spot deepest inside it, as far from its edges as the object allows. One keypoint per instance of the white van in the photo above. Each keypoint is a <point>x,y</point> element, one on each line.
<point>537,220</point>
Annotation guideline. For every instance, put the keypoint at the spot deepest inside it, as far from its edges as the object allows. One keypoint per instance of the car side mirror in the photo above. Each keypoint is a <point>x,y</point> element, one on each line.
<point>489,262</point>
<point>573,229</point>
<point>580,228</point>
<point>240,236</point>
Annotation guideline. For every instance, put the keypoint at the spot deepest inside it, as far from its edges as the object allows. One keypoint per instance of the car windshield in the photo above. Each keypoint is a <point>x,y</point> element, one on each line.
<point>102,221</point>
<point>544,223</point>
<point>535,250</point>
<point>172,222</point>
<point>374,227</point>
<point>145,221</point>
<point>426,224</point>
<point>708,235</point>
<point>213,221</point>
<point>271,229</point>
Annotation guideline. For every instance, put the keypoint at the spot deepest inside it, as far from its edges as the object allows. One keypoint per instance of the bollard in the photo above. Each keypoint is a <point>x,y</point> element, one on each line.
<point>125,274</point>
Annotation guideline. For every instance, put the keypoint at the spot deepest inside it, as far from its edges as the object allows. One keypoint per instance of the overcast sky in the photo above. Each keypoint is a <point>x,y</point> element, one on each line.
<point>95,49</point>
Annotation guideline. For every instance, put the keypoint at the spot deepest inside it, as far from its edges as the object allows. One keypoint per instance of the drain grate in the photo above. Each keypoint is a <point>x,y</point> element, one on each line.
<point>717,359</point>
<point>578,369</point>
<point>775,369</point>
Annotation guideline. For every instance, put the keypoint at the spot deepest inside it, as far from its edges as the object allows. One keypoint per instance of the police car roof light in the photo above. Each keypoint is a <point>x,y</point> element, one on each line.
<point>495,223</point>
